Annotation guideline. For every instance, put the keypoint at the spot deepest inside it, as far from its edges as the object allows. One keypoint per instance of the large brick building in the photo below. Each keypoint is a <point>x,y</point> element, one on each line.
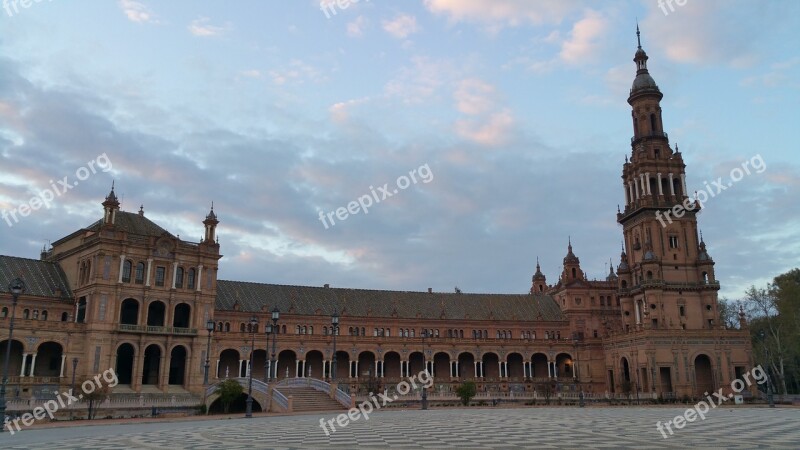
<point>124,293</point>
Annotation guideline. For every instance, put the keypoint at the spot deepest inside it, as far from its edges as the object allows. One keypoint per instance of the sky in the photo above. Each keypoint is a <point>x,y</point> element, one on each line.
<point>484,135</point>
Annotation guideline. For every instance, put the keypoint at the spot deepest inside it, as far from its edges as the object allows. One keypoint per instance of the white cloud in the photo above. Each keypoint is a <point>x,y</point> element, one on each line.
<point>401,26</point>
<point>137,12</point>
<point>505,12</point>
<point>474,97</point>
<point>493,131</point>
<point>356,28</point>
<point>202,28</point>
<point>584,37</point>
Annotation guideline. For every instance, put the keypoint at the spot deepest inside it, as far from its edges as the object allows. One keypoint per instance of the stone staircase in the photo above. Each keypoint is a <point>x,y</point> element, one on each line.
<point>310,399</point>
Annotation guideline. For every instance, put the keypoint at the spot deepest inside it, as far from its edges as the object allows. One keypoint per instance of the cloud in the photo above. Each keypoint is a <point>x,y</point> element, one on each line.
<point>296,72</point>
<point>137,12</point>
<point>202,28</point>
<point>474,97</point>
<point>583,40</point>
<point>356,28</point>
<point>401,26</point>
<point>494,131</point>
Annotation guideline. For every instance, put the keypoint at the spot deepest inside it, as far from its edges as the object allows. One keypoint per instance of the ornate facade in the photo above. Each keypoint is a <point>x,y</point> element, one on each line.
<point>124,293</point>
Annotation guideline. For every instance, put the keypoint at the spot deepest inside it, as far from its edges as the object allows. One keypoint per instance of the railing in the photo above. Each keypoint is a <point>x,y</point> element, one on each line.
<point>280,400</point>
<point>343,398</point>
<point>156,330</point>
<point>651,134</point>
<point>258,385</point>
<point>35,380</point>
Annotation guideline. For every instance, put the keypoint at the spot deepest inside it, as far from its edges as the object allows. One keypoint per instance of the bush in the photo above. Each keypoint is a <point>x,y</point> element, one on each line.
<point>466,392</point>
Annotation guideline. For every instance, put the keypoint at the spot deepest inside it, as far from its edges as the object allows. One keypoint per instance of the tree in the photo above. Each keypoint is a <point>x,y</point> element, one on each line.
<point>729,313</point>
<point>229,390</point>
<point>466,391</point>
<point>95,397</point>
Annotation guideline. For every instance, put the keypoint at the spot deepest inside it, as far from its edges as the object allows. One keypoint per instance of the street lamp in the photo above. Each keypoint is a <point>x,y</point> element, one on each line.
<point>268,332</point>
<point>335,330</point>
<point>770,399</point>
<point>425,363</point>
<point>16,287</point>
<point>273,368</point>
<point>74,367</point>
<point>210,329</point>
<point>253,324</point>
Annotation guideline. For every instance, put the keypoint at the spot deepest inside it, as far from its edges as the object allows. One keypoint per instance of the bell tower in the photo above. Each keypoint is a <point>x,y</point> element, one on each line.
<point>666,276</point>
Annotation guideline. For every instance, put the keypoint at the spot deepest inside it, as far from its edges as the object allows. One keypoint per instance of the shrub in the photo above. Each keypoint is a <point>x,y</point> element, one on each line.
<point>466,392</point>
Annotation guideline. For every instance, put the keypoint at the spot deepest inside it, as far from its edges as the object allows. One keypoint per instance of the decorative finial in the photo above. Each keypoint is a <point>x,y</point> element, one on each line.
<point>112,185</point>
<point>638,35</point>
<point>618,211</point>
<point>212,205</point>
<point>701,235</point>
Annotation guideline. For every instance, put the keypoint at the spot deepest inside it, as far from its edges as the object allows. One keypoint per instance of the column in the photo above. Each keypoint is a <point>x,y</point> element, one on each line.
<point>636,189</point>
<point>356,368</point>
<point>500,368</point>
<point>216,371</point>
<point>647,181</point>
<point>630,189</point>
<point>121,266</point>
<point>458,370</point>
<point>476,368</point>
<point>268,367</point>
<point>638,318</point>
<point>671,186</point>
<point>644,189</point>
<point>549,372</point>
<point>63,359</point>
<point>149,269</point>
<point>199,277</point>
<point>296,368</point>
<point>247,368</point>
<point>33,364</point>
<point>24,361</point>
<point>303,371</point>
<point>683,183</point>
<point>174,273</point>
<point>660,189</point>
<point>377,374</point>
<point>239,374</point>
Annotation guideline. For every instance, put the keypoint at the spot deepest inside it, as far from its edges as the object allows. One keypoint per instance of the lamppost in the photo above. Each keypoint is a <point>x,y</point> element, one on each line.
<point>210,329</point>
<point>267,367</point>
<point>16,287</point>
<point>273,368</point>
<point>425,363</point>
<point>770,398</point>
<point>335,331</point>
<point>74,368</point>
<point>249,411</point>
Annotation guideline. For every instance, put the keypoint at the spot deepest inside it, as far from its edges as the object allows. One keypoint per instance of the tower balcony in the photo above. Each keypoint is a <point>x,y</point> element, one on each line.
<point>652,134</point>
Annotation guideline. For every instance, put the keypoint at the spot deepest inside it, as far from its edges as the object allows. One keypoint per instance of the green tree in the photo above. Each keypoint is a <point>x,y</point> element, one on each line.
<point>729,313</point>
<point>466,391</point>
<point>95,397</point>
<point>229,390</point>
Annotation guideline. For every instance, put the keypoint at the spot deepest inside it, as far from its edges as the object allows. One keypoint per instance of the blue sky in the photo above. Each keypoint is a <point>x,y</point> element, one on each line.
<point>276,112</point>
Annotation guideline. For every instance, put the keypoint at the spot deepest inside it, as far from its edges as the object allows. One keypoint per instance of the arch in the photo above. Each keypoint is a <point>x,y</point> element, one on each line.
<point>314,362</point>
<point>44,315</point>
<point>539,365</point>
<point>565,366</point>
<point>228,364</point>
<point>516,369</point>
<point>129,312</point>
<point>415,363</point>
<point>151,365</point>
<point>391,365</point>
<point>624,284</point>
<point>491,368</point>
<point>182,317</point>
<point>704,374</point>
<point>179,278</point>
<point>649,275</point>
<point>441,366</point>
<point>228,327</point>
<point>342,369</point>
<point>64,316</point>
<point>177,365</point>
<point>287,363</point>
<point>626,370</point>
<point>15,358</point>
<point>124,366</point>
<point>48,359</point>
<point>466,366</point>
<point>259,367</point>
<point>366,364</point>
<point>156,312</point>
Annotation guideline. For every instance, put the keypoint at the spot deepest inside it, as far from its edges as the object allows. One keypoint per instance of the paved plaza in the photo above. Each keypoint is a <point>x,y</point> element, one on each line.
<point>488,428</point>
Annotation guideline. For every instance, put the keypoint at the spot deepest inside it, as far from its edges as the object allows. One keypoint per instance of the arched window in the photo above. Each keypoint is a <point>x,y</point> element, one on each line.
<point>413,332</point>
<point>64,317</point>
<point>179,278</point>
<point>139,273</point>
<point>4,312</point>
<point>227,327</point>
<point>190,279</point>
<point>241,328</point>
<point>126,271</point>
<point>219,326</point>
<point>574,273</point>
<point>649,275</point>
<point>44,315</point>
<point>653,127</point>
<point>284,329</point>
<point>25,314</point>
<point>298,330</point>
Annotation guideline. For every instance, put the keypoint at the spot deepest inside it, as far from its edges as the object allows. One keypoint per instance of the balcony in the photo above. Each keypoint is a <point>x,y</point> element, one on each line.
<point>659,134</point>
<point>147,329</point>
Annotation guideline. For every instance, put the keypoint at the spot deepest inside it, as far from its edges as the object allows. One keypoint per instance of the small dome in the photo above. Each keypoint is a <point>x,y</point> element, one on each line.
<point>644,81</point>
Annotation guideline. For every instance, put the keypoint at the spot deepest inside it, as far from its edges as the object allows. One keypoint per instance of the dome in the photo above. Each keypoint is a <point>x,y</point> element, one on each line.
<point>644,81</point>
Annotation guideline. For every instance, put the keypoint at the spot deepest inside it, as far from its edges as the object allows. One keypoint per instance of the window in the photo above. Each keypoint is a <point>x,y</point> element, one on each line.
<point>64,317</point>
<point>26,314</point>
<point>324,331</point>
<point>44,315</point>
<point>4,313</point>
<point>228,327</point>
<point>673,242</point>
<point>179,278</point>
<point>126,271</point>
<point>682,310</point>
<point>160,275</point>
<point>190,279</point>
<point>35,314</point>
<point>219,326</point>
<point>594,333</point>
<point>139,273</point>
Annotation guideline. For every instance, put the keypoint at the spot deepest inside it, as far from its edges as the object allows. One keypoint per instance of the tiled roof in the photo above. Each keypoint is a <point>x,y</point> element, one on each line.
<point>42,279</point>
<point>133,223</point>
<point>307,300</point>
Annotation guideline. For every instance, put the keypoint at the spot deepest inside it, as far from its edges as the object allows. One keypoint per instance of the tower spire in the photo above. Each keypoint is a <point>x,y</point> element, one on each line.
<point>638,35</point>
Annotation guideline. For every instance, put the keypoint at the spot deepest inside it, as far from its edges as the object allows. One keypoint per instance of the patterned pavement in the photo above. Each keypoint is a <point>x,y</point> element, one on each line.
<point>485,428</point>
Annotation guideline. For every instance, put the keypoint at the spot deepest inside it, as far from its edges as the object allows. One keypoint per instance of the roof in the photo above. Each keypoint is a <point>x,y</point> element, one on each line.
<point>133,223</point>
<point>42,278</point>
<point>308,300</point>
